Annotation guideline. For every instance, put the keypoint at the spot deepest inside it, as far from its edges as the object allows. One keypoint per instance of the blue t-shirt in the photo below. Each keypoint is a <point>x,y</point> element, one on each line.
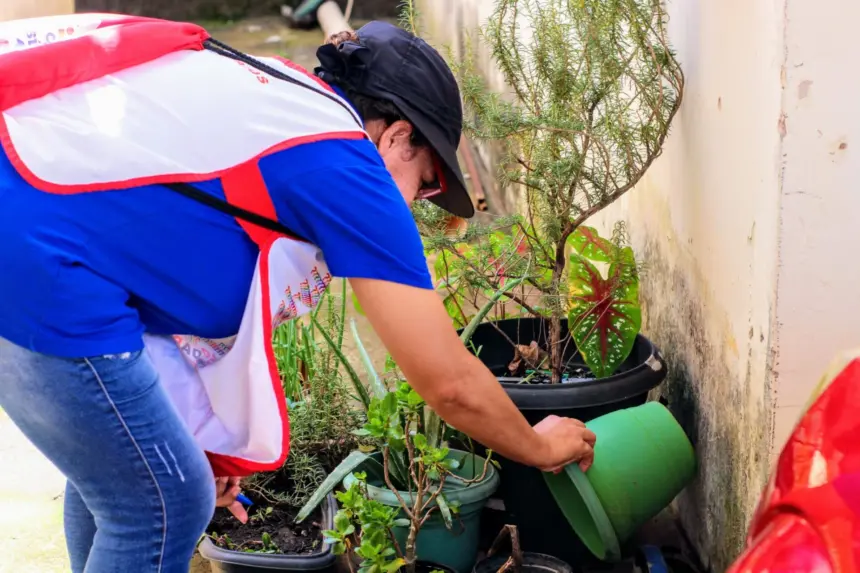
<point>88,274</point>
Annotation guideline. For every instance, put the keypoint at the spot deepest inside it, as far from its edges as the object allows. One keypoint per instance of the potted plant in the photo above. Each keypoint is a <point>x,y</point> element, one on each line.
<point>428,513</point>
<point>322,419</point>
<point>595,88</point>
<point>408,501</point>
<point>518,561</point>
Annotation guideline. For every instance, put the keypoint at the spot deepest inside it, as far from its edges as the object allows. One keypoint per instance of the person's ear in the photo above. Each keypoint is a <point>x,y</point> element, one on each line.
<point>397,137</point>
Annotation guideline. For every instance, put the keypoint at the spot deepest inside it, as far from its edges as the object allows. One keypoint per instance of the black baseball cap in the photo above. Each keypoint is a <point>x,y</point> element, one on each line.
<point>394,65</point>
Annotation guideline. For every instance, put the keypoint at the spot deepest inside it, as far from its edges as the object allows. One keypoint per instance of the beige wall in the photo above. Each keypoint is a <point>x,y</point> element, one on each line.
<point>819,278</point>
<point>706,221</point>
<point>747,226</point>
<point>13,9</point>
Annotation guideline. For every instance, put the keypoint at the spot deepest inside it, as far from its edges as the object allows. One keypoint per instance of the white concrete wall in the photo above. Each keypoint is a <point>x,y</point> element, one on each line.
<point>819,277</point>
<point>706,221</point>
<point>14,9</point>
<point>747,227</point>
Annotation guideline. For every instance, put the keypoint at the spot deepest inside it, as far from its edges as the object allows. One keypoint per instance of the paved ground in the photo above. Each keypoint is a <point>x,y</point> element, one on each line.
<point>31,507</point>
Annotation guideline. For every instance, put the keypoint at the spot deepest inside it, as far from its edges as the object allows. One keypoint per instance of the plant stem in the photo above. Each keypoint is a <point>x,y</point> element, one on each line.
<point>556,356</point>
<point>415,523</point>
<point>395,544</point>
<point>476,320</point>
<point>394,490</point>
<point>477,479</point>
<point>522,303</point>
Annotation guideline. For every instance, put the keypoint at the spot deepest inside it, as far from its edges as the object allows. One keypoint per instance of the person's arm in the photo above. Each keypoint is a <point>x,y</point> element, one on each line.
<point>416,330</point>
<point>339,195</point>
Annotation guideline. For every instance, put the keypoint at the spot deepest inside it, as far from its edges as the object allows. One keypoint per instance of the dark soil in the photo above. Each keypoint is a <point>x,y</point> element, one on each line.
<point>529,365</point>
<point>277,519</point>
<point>290,538</point>
<point>575,372</point>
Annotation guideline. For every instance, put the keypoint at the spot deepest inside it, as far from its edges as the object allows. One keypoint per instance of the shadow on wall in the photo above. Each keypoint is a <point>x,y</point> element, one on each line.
<point>224,9</point>
<point>729,430</point>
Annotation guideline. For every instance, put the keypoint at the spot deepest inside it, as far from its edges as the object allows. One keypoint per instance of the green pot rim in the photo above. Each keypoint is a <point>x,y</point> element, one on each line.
<point>611,546</point>
<point>469,494</point>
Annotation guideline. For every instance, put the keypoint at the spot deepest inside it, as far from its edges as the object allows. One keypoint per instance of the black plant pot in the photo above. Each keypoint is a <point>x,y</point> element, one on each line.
<point>528,501</point>
<point>532,563</point>
<point>428,566</point>
<point>226,561</point>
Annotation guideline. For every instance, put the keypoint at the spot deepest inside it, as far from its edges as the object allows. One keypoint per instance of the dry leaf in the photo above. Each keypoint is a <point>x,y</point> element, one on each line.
<point>533,355</point>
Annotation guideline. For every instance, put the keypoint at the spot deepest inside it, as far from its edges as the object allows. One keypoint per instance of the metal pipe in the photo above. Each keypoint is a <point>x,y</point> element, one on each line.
<point>331,19</point>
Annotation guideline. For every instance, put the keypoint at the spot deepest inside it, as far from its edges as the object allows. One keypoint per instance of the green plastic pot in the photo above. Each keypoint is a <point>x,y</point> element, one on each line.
<point>456,548</point>
<point>642,460</point>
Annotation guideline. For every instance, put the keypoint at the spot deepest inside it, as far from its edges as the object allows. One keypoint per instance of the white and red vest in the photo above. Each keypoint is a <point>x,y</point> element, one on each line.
<point>105,102</point>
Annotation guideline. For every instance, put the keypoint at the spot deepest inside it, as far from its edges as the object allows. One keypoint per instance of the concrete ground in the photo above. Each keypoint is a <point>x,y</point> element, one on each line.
<point>31,507</point>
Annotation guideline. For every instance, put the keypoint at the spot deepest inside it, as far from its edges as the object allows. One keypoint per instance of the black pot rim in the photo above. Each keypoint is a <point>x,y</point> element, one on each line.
<point>432,565</point>
<point>530,558</point>
<point>321,560</point>
<point>635,381</point>
<point>596,392</point>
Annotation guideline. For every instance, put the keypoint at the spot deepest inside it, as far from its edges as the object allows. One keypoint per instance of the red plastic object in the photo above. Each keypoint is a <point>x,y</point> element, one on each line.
<point>808,520</point>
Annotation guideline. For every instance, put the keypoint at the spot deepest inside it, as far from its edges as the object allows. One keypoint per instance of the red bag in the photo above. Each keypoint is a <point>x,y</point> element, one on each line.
<point>808,520</point>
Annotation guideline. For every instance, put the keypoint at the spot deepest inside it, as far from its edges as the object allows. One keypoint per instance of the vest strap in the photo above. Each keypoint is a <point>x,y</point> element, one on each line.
<point>234,211</point>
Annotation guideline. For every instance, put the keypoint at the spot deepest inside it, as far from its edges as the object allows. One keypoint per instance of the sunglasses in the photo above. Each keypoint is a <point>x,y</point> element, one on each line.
<point>437,187</point>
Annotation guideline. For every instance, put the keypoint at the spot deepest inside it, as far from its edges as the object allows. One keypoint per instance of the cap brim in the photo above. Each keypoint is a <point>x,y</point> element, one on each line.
<point>455,199</point>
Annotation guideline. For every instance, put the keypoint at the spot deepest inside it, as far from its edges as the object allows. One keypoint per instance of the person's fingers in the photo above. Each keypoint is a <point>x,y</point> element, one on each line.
<point>228,497</point>
<point>220,487</point>
<point>577,422</point>
<point>547,424</point>
<point>589,437</point>
<point>586,460</point>
<point>238,511</point>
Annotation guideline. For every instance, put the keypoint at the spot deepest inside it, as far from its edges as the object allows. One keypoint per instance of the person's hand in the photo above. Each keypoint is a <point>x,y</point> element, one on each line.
<point>226,490</point>
<point>567,441</point>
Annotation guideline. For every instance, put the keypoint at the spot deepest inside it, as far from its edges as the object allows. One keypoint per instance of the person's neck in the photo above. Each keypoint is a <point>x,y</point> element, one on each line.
<point>339,91</point>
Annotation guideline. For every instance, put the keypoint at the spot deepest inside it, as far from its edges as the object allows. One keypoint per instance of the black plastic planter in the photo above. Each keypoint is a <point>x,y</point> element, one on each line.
<point>532,563</point>
<point>527,499</point>
<point>427,567</point>
<point>226,561</point>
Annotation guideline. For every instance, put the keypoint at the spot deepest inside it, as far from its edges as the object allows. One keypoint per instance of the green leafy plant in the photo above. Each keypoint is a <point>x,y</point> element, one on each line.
<point>595,90</point>
<point>261,514</point>
<point>373,540</point>
<point>415,460</point>
<point>363,526</point>
<point>415,466</point>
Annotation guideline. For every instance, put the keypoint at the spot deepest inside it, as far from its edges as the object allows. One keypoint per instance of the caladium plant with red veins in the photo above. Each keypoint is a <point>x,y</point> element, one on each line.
<point>604,314</point>
<point>587,242</point>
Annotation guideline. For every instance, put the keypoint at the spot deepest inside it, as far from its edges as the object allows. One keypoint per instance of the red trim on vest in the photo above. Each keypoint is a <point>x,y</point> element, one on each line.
<point>116,45</point>
<point>245,187</point>
<point>228,465</point>
<point>49,187</point>
<point>294,66</point>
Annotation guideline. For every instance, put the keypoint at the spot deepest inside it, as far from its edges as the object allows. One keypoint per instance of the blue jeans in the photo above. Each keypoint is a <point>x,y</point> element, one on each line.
<point>140,491</point>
